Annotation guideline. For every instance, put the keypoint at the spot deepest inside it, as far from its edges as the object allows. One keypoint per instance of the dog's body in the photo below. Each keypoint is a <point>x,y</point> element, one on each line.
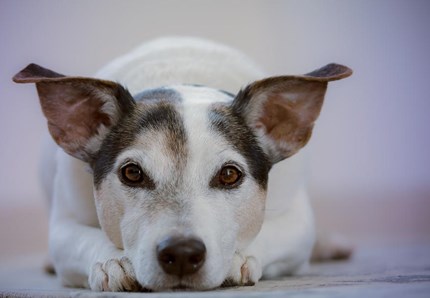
<point>180,173</point>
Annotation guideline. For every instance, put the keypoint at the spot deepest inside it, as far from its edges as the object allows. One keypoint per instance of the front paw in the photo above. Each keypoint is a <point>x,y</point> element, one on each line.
<point>245,271</point>
<point>114,275</point>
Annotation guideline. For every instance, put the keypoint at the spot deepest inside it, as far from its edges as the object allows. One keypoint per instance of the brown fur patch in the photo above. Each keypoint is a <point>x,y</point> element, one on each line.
<point>286,107</point>
<point>73,111</point>
<point>161,117</point>
<point>291,119</point>
<point>225,120</point>
<point>74,106</point>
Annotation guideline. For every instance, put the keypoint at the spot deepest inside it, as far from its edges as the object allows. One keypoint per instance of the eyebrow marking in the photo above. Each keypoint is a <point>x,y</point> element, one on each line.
<point>232,127</point>
<point>162,116</point>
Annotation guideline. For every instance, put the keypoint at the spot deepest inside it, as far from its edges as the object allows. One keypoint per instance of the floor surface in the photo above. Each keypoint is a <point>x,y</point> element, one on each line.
<point>381,271</point>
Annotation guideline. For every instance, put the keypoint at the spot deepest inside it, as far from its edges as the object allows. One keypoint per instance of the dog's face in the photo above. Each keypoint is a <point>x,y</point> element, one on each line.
<point>180,172</point>
<point>181,166</point>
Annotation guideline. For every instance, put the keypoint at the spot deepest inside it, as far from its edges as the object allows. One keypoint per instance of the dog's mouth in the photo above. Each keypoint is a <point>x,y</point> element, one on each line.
<point>182,287</point>
<point>176,288</point>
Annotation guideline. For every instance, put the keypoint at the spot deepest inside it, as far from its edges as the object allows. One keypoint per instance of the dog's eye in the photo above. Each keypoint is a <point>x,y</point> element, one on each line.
<point>132,174</point>
<point>228,177</point>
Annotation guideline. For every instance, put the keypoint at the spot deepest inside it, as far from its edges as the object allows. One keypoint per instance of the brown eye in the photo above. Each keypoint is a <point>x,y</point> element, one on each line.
<point>131,174</point>
<point>229,176</point>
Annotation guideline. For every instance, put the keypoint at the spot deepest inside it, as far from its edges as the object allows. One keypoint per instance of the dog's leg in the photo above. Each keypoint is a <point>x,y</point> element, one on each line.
<point>85,257</point>
<point>75,247</point>
<point>283,245</point>
<point>82,254</point>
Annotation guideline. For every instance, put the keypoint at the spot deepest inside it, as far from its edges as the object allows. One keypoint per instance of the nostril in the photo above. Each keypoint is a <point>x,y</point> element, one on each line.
<point>180,255</point>
<point>196,258</point>
<point>167,258</point>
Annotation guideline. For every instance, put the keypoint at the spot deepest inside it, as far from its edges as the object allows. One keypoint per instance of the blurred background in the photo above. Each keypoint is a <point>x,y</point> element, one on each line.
<point>369,156</point>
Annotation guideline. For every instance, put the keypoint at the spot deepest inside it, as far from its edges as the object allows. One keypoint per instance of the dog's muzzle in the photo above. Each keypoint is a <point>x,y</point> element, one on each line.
<point>181,256</point>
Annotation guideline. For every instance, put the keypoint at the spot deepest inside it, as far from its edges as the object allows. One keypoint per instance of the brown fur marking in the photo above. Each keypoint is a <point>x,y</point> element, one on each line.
<point>73,111</point>
<point>286,107</point>
<point>73,106</point>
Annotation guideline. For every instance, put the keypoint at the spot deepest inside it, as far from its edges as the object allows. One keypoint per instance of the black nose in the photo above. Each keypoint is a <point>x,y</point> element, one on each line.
<point>180,255</point>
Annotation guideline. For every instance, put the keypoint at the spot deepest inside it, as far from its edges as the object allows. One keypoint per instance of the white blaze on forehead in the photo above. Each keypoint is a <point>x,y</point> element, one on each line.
<point>207,150</point>
<point>201,95</point>
<point>240,211</point>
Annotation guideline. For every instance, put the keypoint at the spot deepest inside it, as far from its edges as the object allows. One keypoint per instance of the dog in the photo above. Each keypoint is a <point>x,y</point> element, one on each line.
<point>163,185</point>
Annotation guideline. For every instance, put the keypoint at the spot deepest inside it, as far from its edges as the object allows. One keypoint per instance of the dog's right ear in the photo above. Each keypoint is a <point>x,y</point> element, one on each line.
<point>79,110</point>
<point>282,110</point>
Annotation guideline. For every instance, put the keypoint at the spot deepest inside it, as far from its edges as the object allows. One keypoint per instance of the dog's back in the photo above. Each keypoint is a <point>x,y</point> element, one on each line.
<point>181,60</point>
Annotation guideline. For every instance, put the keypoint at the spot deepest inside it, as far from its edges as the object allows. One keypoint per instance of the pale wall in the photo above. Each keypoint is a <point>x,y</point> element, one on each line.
<point>373,134</point>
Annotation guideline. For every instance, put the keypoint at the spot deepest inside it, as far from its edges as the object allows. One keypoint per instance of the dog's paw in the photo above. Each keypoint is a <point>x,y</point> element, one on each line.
<point>245,271</point>
<point>114,275</point>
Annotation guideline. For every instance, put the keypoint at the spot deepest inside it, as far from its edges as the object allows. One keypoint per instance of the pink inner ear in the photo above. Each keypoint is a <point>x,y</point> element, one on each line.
<point>280,119</point>
<point>288,119</point>
<point>74,116</point>
<point>285,108</point>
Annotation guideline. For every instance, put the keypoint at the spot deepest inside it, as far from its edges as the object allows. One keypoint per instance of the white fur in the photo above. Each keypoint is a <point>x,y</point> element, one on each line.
<point>80,249</point>
<point>171,61</point>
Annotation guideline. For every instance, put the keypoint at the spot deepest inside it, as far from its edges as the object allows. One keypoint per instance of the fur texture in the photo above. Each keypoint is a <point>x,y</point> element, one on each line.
<point>181,131</point>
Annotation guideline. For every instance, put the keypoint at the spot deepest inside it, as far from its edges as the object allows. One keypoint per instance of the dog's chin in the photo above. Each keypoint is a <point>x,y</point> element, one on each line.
<point>184,287</point>
<point>179,287</point>
<point>186,284</point>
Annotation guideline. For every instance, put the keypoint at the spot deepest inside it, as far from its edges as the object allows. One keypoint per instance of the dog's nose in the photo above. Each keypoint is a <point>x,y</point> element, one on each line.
<point>180,255</point>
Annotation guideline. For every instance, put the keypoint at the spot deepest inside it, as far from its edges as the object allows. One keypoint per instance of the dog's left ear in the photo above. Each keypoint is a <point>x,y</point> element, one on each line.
<point>80,111</point>
<point>282,110</point>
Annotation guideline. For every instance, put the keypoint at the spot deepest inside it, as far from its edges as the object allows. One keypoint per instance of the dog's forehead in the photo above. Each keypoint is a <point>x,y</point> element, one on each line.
<point>202,95</point>
<point>187,123</point>
<point>184,93</point>
<point>158,94</point>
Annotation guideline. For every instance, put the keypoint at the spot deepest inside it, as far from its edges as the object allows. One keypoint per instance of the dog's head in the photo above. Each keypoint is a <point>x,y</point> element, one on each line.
<point>180,172</point>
